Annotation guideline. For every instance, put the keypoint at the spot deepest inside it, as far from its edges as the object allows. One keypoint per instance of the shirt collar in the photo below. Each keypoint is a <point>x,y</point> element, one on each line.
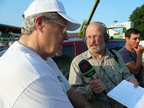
<point>107,54</point>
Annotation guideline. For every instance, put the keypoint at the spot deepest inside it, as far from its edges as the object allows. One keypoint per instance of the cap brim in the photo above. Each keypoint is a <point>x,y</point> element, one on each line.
<point>72,24</point>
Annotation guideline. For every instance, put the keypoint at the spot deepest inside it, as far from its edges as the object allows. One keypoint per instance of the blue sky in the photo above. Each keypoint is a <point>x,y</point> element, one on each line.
<point>106,12</point>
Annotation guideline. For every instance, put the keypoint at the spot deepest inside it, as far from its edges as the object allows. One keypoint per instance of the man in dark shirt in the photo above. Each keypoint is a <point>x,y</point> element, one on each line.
<point>132,52</point>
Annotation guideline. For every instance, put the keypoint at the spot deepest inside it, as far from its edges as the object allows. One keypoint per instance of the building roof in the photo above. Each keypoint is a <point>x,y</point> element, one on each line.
<point>8,28</point>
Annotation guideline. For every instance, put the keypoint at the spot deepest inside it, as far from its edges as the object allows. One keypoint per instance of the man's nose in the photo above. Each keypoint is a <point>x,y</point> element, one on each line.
<point>138,40</point>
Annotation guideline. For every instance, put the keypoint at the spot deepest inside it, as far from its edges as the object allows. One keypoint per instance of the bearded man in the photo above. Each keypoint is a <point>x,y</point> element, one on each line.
<point>108,71</point>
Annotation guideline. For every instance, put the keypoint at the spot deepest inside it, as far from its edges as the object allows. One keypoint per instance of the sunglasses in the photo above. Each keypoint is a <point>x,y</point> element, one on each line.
<point>136,38</point>
<point>56,22</point>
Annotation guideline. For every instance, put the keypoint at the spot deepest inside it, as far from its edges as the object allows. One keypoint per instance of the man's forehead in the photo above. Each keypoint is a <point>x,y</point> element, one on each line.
<point>135,35</point>
<point>94,31</point>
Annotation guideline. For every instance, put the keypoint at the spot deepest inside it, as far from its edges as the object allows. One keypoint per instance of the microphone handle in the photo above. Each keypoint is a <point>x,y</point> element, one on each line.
<point>93,78</point>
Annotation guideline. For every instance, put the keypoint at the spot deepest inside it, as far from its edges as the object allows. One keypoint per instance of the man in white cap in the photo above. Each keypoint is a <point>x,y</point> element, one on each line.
<point>29,78</point>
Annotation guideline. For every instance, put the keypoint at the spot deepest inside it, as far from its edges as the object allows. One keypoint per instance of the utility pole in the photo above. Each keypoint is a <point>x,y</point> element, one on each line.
<point>86,22</point>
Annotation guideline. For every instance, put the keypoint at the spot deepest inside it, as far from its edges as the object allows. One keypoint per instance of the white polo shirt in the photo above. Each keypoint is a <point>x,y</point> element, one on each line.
<point>28,81</point>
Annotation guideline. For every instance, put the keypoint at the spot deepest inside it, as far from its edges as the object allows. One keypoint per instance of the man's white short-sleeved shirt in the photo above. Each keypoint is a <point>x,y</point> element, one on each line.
<point>28,81</point>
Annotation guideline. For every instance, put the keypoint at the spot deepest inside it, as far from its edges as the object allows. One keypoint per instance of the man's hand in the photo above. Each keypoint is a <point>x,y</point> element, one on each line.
<point>97,85</point>
<point>135,82</point>
<point>139,50</point>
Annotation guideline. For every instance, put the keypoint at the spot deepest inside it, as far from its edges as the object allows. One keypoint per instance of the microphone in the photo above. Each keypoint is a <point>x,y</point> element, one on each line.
<point>88,70</point>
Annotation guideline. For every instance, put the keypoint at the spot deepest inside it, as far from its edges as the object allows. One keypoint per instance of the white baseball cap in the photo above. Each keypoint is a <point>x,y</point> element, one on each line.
<point>40,6</point>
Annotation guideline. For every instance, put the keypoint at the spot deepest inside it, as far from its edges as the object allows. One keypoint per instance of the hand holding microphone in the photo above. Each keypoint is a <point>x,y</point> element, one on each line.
<point>88,71</point>
<point>97,85</point>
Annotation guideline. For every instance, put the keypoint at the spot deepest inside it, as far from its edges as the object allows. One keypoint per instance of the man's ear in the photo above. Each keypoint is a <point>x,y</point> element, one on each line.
<point>39,23</point>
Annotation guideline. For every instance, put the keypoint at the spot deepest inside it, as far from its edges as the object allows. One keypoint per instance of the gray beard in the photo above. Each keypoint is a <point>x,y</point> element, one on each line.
<point>99,49</point>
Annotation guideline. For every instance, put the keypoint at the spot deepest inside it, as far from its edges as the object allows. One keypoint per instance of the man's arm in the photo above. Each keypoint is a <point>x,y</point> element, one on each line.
<point>135,66</point>
<point>77,99</point>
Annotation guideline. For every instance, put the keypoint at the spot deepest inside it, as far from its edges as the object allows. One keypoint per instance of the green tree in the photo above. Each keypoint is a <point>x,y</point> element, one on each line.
<point>137,17</point>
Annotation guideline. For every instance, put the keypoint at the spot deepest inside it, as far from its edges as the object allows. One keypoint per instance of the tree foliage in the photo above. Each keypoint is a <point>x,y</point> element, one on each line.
<point>137,17</point>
